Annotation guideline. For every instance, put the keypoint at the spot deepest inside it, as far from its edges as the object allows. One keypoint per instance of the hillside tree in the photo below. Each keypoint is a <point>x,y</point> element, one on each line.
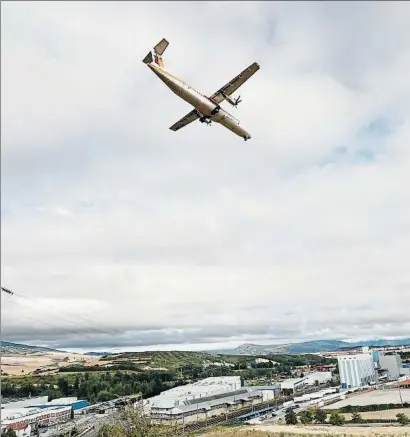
<point>290,417</point>
<point>320,416</point>
<point>402,419</point>
<point>336,419</point>
<point>306,417</point>
<point>357,417</point>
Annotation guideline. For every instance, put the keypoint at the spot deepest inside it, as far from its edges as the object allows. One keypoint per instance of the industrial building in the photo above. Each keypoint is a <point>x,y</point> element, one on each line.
<point>356,370</point>
<point>17,419</point>
<point>203,399</point>
<point>318,378</point>
<point>405,369</point>
<point>391,364</point>
<point>42,402</point>
<point>23,403</point>
<point>294,384</point>
<point>405,383</point>
<point>326,368</point>
<point>72,402</point>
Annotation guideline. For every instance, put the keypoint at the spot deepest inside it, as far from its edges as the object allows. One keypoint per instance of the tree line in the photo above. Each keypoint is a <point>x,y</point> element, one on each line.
<point>95,387</point>
<point>336,418</point>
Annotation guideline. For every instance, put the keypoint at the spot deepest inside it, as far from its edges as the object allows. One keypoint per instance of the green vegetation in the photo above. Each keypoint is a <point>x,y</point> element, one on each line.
<point>336,419</point>
<point>357,418</point>
<point>293,433</point>
<point>95,388</point>
<point>402,419</point>
<point>132,423</point>
<point>306,417</point>
<point>320,416</point>
<point>365,408</point>
<point>290,417</point>
<point>9,433</point>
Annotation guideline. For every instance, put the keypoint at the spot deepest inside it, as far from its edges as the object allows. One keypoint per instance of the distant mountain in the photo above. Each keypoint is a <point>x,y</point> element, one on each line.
<point>97,354</point>
<point>305,347</point>
<point>17,348</point>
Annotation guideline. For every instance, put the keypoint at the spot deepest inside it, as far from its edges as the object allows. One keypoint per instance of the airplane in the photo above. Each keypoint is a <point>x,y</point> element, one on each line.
<point>206,109</point>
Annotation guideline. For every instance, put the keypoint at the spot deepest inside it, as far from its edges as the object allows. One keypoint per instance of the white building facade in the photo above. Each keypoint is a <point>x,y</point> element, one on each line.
<point>318,378</point>
<point>294,384</point>
<point>356,370</point>
<point>392,364</point>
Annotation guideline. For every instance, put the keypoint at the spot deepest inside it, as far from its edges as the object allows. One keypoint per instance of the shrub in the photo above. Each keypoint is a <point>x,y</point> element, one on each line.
<point>336,419</point>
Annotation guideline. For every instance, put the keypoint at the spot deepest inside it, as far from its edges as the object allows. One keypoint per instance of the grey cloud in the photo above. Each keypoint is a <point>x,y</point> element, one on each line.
<point>193,236</point>
<point>214,334</point>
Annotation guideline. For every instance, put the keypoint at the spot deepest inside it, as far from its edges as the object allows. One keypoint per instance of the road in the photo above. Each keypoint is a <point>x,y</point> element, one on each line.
<point>280,414</point>
<point>98,423</point>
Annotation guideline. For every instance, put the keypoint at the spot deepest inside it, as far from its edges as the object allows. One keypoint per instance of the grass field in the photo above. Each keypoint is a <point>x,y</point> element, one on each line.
<point>384,414</point>
<point>311,431</point>
<point>45,362</point>
<point>374,397</point>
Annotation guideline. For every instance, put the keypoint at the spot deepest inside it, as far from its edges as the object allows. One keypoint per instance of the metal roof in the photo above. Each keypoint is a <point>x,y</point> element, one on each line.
<point>207,405</point>
<point>205,389</point>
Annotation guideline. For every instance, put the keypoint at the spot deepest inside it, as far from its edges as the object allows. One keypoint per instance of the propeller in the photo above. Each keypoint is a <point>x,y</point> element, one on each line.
<point>237,101</point>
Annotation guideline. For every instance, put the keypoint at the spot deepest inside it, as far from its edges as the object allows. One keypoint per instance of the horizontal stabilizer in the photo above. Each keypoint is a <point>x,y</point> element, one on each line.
<point>148,59</point>
<point>160,48</point>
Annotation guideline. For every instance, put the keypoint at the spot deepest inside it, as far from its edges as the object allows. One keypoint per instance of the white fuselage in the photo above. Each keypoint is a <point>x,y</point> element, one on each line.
<point>204,105</point>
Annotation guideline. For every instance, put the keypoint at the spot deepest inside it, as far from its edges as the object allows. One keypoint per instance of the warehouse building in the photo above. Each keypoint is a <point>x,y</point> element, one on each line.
<point>268,391</point>
<point>294,384</point>
<point>17,419</point>
<point>205,407</point>
<point>391,364</point>
<point>23,403</point>
<point>202,400</point>
<point>356,370</point>
<point>71,402</point>
<point>317,378</point>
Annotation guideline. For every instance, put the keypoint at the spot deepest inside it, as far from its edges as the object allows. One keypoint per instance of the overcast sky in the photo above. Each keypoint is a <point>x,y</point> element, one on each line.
<point>111,222</point>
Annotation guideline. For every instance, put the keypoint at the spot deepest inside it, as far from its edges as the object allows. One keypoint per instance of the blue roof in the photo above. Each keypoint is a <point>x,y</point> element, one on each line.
<point>252,413</point>
<point>264,387</point>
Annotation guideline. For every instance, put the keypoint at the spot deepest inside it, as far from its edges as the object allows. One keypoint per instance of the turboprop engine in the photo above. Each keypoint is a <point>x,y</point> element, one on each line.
<point>233,102</point>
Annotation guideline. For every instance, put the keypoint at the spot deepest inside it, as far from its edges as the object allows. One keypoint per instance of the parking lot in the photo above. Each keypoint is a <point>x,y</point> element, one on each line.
<point>388,396</point>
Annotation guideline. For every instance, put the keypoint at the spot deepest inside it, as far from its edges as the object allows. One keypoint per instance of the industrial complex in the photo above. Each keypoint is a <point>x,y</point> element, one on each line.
<point>369,368</point>
<point>368,377</point>
<point>206,398</point>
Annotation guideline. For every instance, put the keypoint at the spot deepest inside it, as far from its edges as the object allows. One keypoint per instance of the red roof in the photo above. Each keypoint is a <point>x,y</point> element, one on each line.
<point>18,426</point>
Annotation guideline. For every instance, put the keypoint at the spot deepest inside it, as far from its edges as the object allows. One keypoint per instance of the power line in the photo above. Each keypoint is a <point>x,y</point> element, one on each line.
<point>6,290</point>
<point>11,293</point>
<point>102,331</point>
<point>70,331</point>
<point>73,315</point>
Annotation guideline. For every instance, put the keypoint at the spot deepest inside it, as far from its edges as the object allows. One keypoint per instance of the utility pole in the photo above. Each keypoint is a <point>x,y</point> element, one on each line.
<point>398,384</point>
<point>9,292</point>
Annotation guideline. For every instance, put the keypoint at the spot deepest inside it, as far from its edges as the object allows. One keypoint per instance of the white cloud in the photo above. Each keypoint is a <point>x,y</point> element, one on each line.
<point>196,236</point>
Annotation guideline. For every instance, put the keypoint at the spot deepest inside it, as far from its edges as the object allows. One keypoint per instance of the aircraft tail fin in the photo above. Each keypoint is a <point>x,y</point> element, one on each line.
<point>155,55</point>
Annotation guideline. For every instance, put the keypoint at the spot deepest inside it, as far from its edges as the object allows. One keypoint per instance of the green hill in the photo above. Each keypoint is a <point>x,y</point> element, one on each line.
<point>169,360</point>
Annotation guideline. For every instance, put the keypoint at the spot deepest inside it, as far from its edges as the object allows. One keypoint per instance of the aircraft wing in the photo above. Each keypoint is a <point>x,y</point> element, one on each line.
<point>235,83</point>
<point>189,118</point>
